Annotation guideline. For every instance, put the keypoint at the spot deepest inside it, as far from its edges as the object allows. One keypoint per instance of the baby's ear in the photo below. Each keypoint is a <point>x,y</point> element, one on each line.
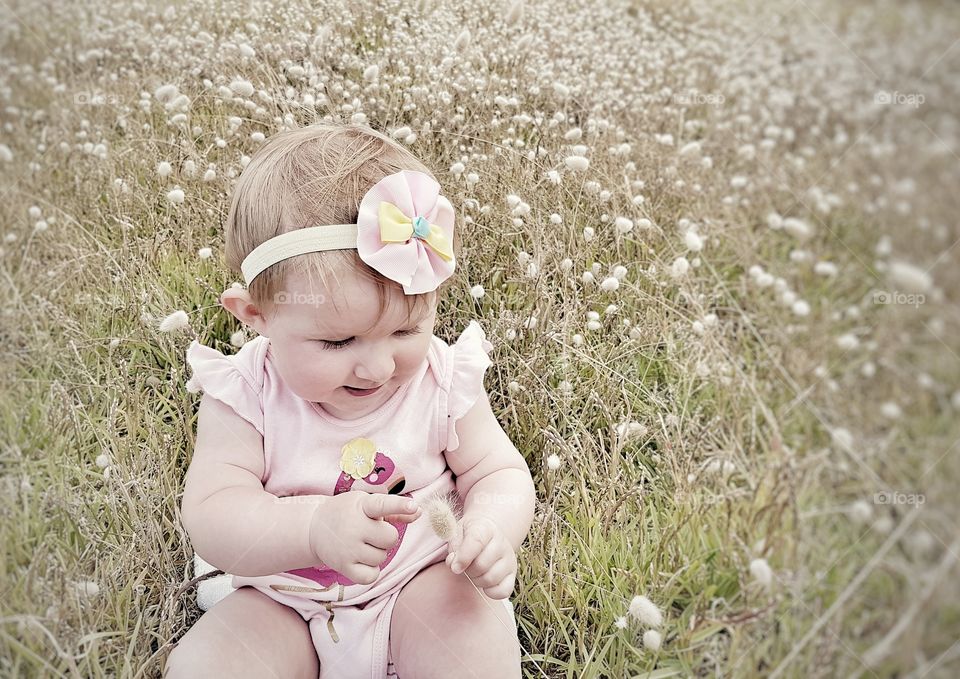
<point>239,303</point>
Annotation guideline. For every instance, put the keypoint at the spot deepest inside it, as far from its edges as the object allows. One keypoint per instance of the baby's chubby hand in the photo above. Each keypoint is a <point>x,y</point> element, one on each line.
<point>351,534</point>
<point>485,555</point>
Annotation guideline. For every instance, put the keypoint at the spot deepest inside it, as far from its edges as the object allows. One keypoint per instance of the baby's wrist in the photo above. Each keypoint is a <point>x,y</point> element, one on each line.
<point>471,517</point>
<point>319,528</point>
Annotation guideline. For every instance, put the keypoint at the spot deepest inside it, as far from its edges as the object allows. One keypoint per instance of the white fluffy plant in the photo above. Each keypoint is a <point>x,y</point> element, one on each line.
<point>648,615</point>
<point>441,512</point>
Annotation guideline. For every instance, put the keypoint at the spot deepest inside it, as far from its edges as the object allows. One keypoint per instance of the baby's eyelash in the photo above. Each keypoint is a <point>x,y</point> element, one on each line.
<point>327,344</point>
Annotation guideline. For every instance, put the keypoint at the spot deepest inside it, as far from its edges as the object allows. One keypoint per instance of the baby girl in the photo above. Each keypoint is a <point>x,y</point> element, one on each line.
<point>320,439</point>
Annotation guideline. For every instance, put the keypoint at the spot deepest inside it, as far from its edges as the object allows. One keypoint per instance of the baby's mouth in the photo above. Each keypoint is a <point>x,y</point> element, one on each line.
<point>361,392</point>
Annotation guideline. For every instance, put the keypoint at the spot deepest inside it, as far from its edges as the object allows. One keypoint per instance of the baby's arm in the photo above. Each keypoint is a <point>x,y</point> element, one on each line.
<point>233,523</point>
<point>492,477</point>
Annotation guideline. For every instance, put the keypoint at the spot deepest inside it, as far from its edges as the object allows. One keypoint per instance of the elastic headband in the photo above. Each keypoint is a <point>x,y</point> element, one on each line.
<point>404,230</point>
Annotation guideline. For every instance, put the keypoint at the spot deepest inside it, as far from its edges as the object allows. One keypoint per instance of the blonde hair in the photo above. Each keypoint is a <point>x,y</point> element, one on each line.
<point>312,176</point>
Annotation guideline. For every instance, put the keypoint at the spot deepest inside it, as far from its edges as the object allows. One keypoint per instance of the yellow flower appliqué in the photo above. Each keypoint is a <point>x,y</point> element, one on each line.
<point>357,457</point>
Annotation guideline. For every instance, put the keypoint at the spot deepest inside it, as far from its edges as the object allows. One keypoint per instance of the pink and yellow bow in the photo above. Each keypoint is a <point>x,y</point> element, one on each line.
<point>396,227</point>
<point>405,231</point>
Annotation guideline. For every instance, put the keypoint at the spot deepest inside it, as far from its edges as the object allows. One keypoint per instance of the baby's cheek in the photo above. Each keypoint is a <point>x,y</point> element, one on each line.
<point>409,361</point>
<point>311,385</point>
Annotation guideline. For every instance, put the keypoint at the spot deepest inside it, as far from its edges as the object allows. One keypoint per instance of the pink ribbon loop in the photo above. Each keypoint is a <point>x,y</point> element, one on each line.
<point>425,259</point>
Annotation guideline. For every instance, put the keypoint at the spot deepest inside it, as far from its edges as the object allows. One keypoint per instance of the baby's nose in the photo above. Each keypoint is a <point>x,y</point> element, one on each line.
<point>376,369</point>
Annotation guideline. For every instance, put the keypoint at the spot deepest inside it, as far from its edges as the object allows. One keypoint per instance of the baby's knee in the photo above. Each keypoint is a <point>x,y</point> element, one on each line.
<point>247,634</point>
<point>198,656</point>
<point>496,624</point>
<point>189,660</point>
<point>484,635</point>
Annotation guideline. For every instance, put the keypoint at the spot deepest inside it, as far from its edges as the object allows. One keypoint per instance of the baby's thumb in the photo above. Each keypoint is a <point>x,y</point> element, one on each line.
<point>381,506</point>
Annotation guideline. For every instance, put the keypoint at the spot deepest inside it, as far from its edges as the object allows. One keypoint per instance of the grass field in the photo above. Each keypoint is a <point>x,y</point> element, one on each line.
<point>718,250</point>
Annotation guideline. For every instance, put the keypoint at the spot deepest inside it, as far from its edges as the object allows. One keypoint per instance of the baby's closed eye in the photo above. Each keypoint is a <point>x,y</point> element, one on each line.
<point>339,344</point>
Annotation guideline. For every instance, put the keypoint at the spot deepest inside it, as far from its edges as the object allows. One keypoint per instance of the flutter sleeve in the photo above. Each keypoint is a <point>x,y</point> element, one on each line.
<point>234,380</point>
<point>469,359</point>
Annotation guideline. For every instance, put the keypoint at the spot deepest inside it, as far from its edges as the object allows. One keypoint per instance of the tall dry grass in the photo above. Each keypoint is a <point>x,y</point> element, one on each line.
<point>754,417</point>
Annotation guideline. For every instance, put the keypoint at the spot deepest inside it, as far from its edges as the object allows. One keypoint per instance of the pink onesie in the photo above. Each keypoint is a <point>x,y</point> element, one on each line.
<point>402,445</point>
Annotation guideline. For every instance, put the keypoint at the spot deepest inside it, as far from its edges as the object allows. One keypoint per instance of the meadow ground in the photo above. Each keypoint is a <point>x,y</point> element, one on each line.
<point>714,246</point>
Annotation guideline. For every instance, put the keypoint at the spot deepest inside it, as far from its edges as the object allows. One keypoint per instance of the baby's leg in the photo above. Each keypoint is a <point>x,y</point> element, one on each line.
<point>247,634</point>
<point>442,628</point>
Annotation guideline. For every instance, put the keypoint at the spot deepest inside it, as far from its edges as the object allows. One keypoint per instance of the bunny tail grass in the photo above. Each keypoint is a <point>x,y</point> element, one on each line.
<point>442,513</point>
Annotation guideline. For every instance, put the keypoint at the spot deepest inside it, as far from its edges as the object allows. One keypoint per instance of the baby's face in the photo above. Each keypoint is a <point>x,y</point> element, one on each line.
<point>321,352</point>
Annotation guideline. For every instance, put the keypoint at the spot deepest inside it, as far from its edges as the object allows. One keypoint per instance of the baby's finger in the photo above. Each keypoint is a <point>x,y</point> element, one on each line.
<point>370,555</point>
<point>404,518</point>
<point>380,505</point>
<point>503,589</point>
<point>382,535</point>
<point>361,573</point>
<point>473,543</point>
<point>493,575</point>
<point>484,561</point>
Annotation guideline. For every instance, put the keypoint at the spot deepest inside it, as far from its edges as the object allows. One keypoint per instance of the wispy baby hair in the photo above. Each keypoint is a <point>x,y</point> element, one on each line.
<point>311,176</point>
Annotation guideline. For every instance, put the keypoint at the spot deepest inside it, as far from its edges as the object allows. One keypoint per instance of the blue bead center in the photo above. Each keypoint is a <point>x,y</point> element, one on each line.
<point>421,227</point>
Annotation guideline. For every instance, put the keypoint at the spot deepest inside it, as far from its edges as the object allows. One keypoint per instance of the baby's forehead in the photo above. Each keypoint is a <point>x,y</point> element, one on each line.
<point>359,315</point>
<point>343,308</point>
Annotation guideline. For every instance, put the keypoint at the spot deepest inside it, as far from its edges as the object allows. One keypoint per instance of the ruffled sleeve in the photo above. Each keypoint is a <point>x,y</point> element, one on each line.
<point>235,380</point>
<point>468,361</point>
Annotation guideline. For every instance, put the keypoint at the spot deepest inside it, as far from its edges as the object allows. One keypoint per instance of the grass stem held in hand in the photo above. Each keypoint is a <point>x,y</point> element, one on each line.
<point>441,511</point>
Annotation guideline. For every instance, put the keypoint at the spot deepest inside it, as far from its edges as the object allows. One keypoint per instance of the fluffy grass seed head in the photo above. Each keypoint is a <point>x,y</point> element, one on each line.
<point>176,196</point>
<point>761,572</point>
<point>178,320</point>
<point>462,41</point>
<point>860,511</point>
<point>442,514</point>
<point>693,241</point>
<point>86,588</point>
<point>242,87</point>
<point>909,278</point>
<point>645,611</point>
<point>652,640</point>
<point>679,268</point>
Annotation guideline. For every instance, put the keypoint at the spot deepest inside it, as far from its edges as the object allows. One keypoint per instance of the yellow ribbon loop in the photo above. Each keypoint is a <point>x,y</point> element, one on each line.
<point>396,227</point>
